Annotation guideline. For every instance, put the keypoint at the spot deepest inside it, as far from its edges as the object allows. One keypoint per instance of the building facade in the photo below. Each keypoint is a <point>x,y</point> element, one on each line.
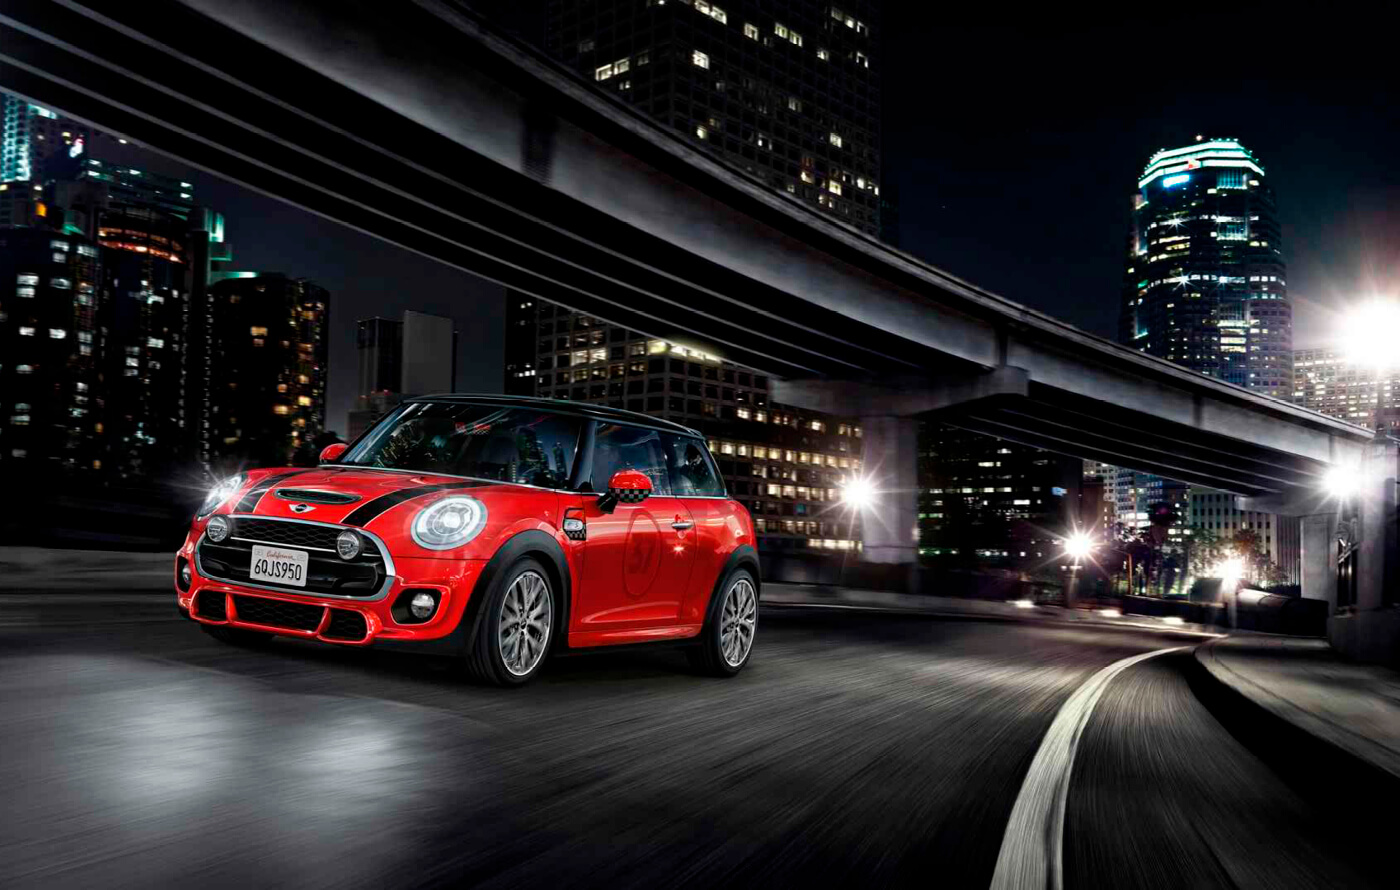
<point>1279,536</point>
<point>51,404</point>
<point>789,92</point>
<point>30,136</point>
<point>787,465</point>
<point>1099,517</point>
<point>1326,381</point>
<point>269,351</point>
<point>991,502</point>
<point>379,348</point>
<point>1205,286</point>
<point>1205,281</point>
<point>413,356</point>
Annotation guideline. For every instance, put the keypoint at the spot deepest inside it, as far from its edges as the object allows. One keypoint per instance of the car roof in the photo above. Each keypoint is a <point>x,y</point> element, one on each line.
<point>562,406</point>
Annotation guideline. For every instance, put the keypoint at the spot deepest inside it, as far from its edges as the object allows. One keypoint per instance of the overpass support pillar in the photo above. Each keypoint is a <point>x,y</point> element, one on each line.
<point>1319,575</point>
<point>890,459</point>
<point>1365,622</point>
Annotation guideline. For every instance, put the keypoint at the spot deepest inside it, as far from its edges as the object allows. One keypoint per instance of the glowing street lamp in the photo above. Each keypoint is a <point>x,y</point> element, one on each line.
<point>1078,546</point>
<point>1368,334</point>
<point>1342,482</point>
<point>859,493</point>
<point>1232,570</point>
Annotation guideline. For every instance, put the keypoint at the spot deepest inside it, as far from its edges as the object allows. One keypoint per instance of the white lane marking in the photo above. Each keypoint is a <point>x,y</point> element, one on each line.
<point>1032,850</point>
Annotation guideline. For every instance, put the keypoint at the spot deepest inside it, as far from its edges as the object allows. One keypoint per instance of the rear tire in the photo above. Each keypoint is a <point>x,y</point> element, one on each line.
<point>726,642</point>
<point>236,636</point>
<point>517,626</point>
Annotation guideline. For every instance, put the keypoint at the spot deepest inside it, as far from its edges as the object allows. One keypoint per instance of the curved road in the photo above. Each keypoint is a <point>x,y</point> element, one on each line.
<point>858,749</point>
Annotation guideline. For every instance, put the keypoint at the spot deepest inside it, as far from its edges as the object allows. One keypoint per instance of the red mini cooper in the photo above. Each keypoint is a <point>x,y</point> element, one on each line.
<point>495,528</point>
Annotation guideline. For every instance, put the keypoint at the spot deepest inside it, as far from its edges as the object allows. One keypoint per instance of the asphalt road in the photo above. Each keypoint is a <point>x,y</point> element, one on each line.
<point>856,750</point>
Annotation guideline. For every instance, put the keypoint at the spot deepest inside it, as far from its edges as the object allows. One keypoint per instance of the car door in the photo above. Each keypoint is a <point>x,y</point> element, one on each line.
<point>696,482</point>
<point>637,559</point>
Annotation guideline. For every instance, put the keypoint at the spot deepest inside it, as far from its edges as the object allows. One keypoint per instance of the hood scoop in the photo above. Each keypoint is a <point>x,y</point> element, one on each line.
<point>316,496</point>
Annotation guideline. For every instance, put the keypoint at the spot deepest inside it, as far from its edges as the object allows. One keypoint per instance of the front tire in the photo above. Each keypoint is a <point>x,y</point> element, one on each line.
<point>516,631</point>
<point>727,639</point>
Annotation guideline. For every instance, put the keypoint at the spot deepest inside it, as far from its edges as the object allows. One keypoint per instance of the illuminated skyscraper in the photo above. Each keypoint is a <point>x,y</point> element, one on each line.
<point>789,92</point>
<point>50,372</point>
<point>1205,279</point>
<point>30,136</point>
<point>268,367</point>
<point>1326,380</point>
<point>1205,287</point>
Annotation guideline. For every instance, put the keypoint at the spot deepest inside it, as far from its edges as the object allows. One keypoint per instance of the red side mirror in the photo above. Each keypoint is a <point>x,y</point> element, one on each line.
<point>630,486</point>
<point>331,453</point>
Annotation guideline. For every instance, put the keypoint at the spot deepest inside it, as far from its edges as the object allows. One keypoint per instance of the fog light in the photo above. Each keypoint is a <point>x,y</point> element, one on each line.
<point>422,606</point>
<point>185,575</point>
<point>348,544</point>
<point>218,529</point>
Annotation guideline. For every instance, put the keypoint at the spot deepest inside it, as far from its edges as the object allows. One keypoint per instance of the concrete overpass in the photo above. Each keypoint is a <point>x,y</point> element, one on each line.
<point>425,128</point>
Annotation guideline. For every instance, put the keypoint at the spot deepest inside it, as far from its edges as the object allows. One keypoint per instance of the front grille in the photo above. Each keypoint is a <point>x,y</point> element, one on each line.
<point>293,534</point>
<point>276,613</point>
<point>210,604</point>
<point>345,625</point>
<point>312,496</point>
<point>325,572</point>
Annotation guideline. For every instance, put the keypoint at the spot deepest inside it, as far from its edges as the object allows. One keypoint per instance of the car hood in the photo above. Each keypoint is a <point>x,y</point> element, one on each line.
<point>325,494</point>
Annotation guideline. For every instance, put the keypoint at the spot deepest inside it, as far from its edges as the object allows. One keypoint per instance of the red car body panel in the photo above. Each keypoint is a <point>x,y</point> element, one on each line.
<point>644,572</point>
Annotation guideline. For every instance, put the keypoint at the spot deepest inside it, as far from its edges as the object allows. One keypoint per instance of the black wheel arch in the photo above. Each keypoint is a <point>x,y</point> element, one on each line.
<point>743,557</point>
<point>533,543</point>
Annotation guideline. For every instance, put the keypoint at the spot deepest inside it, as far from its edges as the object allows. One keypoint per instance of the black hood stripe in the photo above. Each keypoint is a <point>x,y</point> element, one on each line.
<point>365,513</point>
<point>249,502</point>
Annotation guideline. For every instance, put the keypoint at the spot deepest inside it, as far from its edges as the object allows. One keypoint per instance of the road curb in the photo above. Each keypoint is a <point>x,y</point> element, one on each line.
<point>1026,617</point>
<point>1314,765</point>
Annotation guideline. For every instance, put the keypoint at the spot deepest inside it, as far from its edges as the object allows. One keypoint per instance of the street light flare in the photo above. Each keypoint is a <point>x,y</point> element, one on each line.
<point>1368,334</point>
<point>1078,545</point>
<point>1231,570</point>
<point>1342,482</point>
<point>858,493</point>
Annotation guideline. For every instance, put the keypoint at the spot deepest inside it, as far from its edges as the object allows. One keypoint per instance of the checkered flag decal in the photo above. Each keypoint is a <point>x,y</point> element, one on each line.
<point>629,495</point>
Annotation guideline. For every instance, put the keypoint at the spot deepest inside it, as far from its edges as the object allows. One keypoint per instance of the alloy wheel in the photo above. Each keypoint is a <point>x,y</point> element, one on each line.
<point>738,621</point>
<point>527,615</point>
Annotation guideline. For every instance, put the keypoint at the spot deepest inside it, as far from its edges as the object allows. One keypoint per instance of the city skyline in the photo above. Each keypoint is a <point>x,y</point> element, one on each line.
<point>376,278</point>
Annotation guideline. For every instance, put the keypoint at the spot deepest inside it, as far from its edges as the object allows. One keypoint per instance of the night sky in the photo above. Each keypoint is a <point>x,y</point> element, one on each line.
<point>1015,153</point>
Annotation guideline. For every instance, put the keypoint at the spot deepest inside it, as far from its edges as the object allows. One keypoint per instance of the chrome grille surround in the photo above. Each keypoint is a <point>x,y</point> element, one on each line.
<point>320,529</point>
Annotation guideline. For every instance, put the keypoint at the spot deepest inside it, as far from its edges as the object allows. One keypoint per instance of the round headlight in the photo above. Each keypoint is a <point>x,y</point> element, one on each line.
<point>218,529</point>
<point>450,522</point>
<point>349,544</point>
<point>422,605</point>
<point>220,493</point>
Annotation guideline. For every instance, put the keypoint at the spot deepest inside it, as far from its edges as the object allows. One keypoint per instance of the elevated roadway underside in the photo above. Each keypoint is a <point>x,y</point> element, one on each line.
<point>425,128</point>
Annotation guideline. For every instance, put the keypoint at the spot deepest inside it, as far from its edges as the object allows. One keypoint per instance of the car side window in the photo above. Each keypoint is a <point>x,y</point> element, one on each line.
<point>619,447</point>
<point>692,470</point>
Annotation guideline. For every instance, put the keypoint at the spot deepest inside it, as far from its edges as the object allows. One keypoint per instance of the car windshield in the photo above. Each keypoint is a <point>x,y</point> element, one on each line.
<point>522,445</point>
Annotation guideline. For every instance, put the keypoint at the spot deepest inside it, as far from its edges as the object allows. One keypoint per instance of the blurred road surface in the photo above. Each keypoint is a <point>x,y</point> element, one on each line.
<point>857,749</point>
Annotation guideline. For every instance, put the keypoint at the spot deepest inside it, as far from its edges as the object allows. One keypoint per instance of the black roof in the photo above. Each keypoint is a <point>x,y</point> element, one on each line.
<point>562,406</point>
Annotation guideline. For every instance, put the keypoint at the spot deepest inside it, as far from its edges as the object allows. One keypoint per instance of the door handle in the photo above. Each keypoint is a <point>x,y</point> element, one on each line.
<point>681,525</point>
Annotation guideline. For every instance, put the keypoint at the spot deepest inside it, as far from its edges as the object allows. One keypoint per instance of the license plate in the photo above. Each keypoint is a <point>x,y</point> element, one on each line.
<point>278,565</point>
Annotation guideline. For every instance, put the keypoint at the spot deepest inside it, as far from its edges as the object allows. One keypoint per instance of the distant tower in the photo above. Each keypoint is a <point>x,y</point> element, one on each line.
<point>1205,287</point>
<point>1205,282</point>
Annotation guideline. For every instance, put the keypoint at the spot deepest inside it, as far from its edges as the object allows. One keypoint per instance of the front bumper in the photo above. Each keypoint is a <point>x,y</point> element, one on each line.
<point>339,620</point>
